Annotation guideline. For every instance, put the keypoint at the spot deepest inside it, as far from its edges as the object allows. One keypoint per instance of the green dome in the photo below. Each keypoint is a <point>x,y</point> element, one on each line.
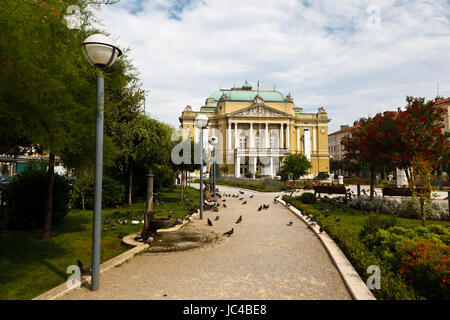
<point>249,95</point>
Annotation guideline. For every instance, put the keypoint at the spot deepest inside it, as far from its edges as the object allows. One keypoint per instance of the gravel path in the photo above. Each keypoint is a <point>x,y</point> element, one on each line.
<point>263,259</point>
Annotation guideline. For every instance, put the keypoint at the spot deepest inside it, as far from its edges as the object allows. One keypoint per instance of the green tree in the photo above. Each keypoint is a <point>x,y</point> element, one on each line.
<point>294,165</point>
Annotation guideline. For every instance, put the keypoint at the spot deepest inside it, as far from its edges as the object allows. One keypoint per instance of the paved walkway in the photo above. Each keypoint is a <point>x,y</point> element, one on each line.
<point>263,259</point>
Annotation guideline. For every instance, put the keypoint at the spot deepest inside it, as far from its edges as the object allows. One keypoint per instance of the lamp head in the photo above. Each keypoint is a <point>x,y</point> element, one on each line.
<point>213,140</point>
<point>101,51</point>
<point>201,121</point>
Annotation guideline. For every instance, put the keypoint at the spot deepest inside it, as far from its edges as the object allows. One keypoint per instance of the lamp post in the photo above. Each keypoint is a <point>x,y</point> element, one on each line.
<point>201,122</point>
<point>102,54</point>
<point>213,141</point>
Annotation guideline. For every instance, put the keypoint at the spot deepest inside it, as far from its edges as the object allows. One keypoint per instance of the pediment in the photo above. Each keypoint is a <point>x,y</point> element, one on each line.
<point>258,110</point>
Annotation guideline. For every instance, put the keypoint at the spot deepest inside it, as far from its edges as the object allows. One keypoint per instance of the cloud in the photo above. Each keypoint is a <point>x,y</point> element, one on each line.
<point>325,53</point>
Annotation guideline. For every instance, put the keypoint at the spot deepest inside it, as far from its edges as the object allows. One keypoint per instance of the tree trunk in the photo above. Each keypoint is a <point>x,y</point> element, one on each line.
<point>49,200</point>
<point>181,187</point>
<point>82,204</point>
<point>372,181</point>
<point>422,215</point>
<point>130,186</point>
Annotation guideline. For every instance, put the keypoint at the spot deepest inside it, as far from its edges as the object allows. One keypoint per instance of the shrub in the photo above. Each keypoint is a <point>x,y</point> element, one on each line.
<point>372,224</point>
<point>426,266</point>
<point>113,193</point>
<point>27,193</point>
<point>248,174</point>
<point>308,198</point>
<point>322,176</point>
<point>257,175</point>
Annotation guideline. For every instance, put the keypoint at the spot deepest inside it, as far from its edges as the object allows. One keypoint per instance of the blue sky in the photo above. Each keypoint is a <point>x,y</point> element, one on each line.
<point>350,57</point>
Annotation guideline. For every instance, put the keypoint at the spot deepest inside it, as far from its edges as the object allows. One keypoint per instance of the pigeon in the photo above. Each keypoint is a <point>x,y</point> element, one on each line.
<point>229,233</point>
<point>266,206</point>
<point>326,215</point>
<point>83,268</point>
<point>120,236</point>
<point>104,229</point>
<point>224,205</point>
<point>320,229</point>
<point>217,218</point>
<point>337,219</point>
<point>241,192</point>
<point>239,219</point>
<point>245,202</point>
<point>241,199</point>
<point>260,208</point>
<point>149,240</point>
<point>251,196</point>
<point>210,223</point>
<point>224,200</point>
<point>290,223</point>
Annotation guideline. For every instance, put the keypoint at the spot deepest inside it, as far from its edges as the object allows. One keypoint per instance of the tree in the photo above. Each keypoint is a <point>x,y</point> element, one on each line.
<point>368,143</point>
<point>153,144</point>
<point>420,183</point>
<point>47,88</point>
<point>295,165</point>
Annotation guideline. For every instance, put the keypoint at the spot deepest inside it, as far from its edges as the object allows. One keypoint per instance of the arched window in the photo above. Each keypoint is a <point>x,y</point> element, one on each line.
<point>273,140</point>
<point>242,141</point>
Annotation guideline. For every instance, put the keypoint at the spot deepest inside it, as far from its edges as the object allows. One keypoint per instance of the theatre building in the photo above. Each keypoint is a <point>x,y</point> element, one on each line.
<point>257,128</point>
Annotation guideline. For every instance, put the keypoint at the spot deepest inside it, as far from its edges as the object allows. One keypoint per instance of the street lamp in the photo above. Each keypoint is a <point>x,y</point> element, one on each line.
<point>201,122</point>
<point>101,53</point>
<point>213,140</point>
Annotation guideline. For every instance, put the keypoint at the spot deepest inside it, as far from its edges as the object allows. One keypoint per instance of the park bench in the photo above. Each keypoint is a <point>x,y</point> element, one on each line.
<point>399,192</point>
<point>330,190</point>
<point>209,200</point>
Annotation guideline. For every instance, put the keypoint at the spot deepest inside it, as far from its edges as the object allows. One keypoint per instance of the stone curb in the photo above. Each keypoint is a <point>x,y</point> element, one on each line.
<point>353,281</point>
<point>62,289</point>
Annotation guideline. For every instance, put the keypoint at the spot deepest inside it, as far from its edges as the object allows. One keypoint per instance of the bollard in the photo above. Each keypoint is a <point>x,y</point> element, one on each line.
<point>358,187</point>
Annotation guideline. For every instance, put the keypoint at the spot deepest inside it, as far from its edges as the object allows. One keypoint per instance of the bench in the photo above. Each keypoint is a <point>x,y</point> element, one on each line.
<point>330,190</point>
<point>209,201</point>
<point>398,192</point>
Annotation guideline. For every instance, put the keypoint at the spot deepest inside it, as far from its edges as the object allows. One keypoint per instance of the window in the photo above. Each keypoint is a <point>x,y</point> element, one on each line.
<point>257,140</point>
<point>273,140</point>
<point>242,141</point>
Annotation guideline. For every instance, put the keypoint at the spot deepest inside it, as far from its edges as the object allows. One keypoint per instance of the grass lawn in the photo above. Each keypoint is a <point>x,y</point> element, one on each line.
<point>353,223</point>
<point>30,266</point>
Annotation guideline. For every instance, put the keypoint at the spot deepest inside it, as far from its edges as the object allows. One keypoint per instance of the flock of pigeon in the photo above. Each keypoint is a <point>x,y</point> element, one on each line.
<point>239,196</point>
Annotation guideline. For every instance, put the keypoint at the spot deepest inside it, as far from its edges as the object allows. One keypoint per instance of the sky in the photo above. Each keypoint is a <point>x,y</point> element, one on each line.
<point>354,58</point>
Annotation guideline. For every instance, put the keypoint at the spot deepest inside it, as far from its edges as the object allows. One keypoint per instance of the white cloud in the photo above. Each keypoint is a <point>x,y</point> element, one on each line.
<point>320,51</point>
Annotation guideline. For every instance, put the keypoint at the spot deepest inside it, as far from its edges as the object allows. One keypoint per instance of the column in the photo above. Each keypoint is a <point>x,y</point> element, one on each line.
<point>288,133</point>
<point>271,167</point>
<point>254,164</point>
<point>236,138</point>
<point>298,138</point>
<point>196,132</point>
<point>307,143</point>
<point>314,147</point>
<point>281,136</point>
<point>251,142</point>
<point>237,167</point>
<point>266,137</point>
<point>229,136</point>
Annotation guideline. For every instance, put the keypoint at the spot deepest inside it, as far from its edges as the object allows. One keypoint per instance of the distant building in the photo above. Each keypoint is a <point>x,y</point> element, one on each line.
<point>335,148</point>
<point>446,104</point>
<point>257,128</point>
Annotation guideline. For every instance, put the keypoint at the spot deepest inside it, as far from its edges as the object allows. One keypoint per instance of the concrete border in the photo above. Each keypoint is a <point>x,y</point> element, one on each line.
<point>62,289</point>
<point>128,240</point>
<point>354,283</point>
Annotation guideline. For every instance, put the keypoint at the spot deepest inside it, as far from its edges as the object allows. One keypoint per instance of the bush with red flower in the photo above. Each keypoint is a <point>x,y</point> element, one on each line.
<point>426,266</point>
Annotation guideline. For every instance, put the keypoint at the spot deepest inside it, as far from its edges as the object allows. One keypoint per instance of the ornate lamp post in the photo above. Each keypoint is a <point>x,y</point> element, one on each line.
<point>213,140</point>
<point>101,53</point>
<point>201,122</point>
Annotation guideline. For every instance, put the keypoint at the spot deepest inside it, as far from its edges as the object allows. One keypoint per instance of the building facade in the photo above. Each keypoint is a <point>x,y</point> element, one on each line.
<point>335,148</point>
<point>257,128</point>
<point>446,104</point>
